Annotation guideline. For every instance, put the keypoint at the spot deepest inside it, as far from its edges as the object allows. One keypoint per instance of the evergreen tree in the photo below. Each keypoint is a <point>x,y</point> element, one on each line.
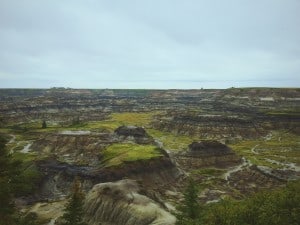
<point>74,210</point>
<point>9,173</point>
<point>189,210</point>
<point>275,207</point>
<point>44,124</point>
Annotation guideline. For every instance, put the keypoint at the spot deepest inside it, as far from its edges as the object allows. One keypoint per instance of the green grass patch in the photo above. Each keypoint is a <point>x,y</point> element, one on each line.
<point>116,120</point>
<point>24,157</point>
<point>5,130</point>
<point>27,126</point>
<point>117,154</point>
<point>105,125</point>
<point>132,118</point>
<point>294,112</point>
<point>171,141</point>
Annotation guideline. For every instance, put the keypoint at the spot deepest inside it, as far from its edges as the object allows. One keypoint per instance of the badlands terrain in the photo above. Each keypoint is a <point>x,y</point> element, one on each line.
<point>134,150</point>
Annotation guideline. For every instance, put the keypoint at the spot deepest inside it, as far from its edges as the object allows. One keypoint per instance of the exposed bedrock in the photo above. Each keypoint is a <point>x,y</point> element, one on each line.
<point>72,147</point>
<point>84,147</point>
<point>121,203</point>
<point>131,131</point>
<point>58,177</point>
<point>220,127</point>
<point>217,125</point>
<point>207,153</point>
<point>137,134</point>
<point>208,147</point>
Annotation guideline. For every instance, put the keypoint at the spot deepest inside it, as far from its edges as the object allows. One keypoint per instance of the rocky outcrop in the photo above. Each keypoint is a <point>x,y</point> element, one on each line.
<point>208,147</point>
<point>71,147</point>
<point>65,155</point>
<point>157,173</point>
<point>133,133</point>
<point>48,211</point>
<point>120,203</point>
<point>211,125</point>
<point>207,153</point>
<point>279,174</point>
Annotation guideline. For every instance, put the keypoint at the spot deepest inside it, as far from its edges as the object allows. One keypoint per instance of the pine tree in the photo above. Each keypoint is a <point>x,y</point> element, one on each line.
<point>74,210</point>
<point>44,124</point>
<point>9,172</point>
<point>189,210</point>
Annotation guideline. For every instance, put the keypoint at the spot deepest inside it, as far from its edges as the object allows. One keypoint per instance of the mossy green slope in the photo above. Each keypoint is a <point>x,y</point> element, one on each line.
<point>119,153</point>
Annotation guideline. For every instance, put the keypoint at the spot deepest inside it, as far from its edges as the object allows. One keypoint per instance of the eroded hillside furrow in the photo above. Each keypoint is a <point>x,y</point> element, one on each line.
<point>121,203</point>
<point>155,173</point>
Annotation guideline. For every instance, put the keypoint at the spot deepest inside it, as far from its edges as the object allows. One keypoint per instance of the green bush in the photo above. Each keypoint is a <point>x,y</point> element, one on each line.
<point>277,207</point>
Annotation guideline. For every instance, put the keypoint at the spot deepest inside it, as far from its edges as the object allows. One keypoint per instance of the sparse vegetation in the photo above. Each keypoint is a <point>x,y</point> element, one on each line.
<point>136,119</point>
<point>281,146</point>
<point>104,125</point>
<point>209,172</point>
<point>26,158</point>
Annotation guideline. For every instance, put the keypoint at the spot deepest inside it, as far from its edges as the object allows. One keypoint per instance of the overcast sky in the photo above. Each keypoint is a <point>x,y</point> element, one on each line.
<point>149,43</point>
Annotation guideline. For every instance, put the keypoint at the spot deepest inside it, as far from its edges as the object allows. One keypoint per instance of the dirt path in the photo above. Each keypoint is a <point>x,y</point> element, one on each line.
<point>287,165</point>
<point>245,163</point>
<point>13,139</point>
<point>26,148</point>
<point>253,149</point>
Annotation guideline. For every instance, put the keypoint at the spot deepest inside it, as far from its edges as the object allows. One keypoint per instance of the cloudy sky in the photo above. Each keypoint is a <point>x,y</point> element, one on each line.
<point>149,43</point>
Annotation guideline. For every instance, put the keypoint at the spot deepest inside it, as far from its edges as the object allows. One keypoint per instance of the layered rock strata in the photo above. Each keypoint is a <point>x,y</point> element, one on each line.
<point>207,153</point>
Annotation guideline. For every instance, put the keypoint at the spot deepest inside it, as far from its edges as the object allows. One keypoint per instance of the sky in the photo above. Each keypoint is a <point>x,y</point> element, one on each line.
<point>153,44</point>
